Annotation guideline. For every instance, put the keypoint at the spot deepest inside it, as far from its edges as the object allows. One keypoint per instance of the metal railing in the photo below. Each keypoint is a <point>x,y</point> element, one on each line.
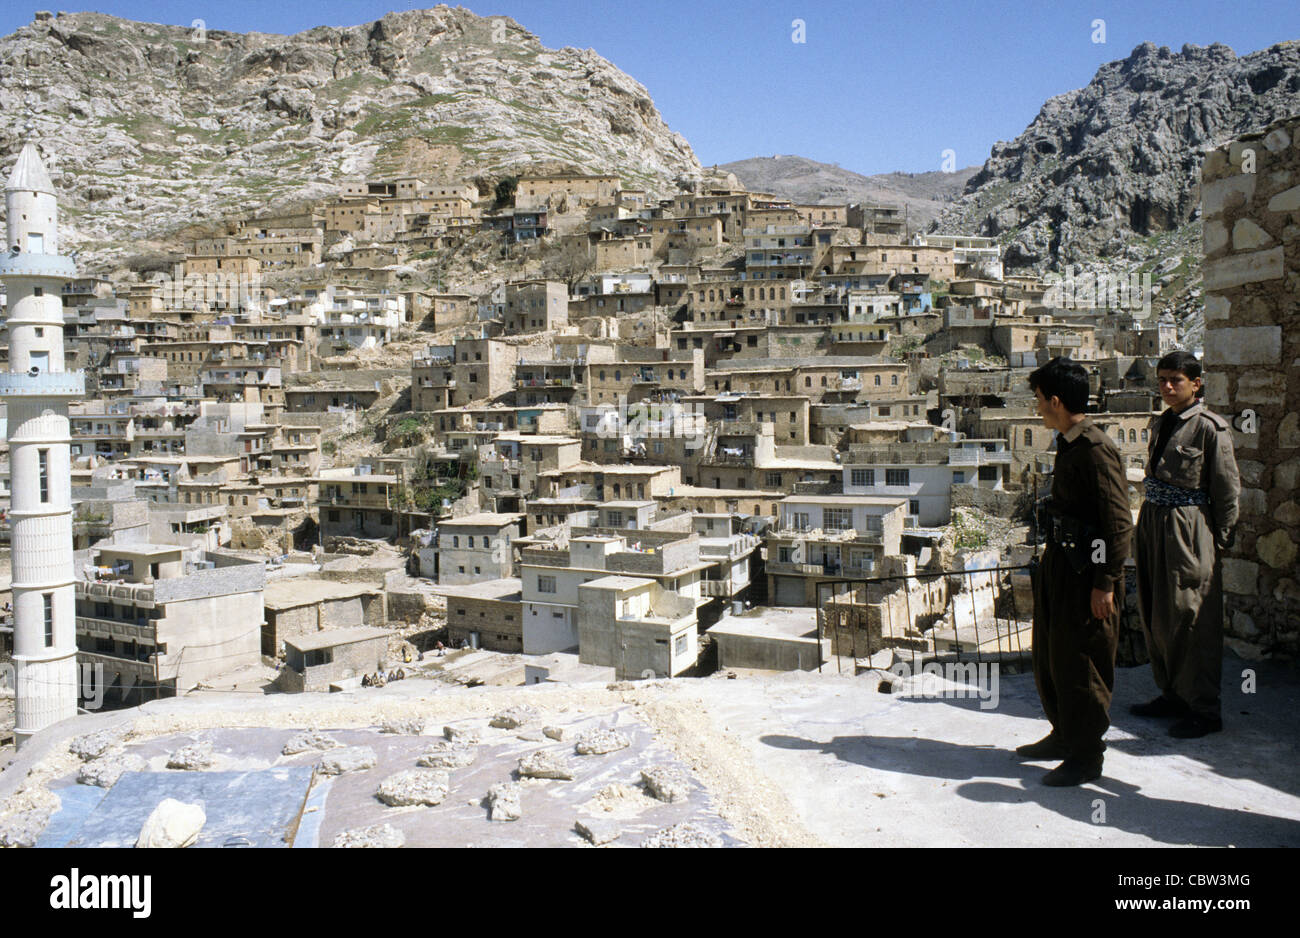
<point>953,615</point>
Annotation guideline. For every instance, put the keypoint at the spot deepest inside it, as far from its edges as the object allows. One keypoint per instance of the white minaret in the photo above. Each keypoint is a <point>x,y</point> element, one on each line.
<point>37,391</point>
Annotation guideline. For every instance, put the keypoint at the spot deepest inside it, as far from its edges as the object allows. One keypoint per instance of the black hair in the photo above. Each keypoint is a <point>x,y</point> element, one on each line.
<point>1064,379</point>
<point>1183,361</point>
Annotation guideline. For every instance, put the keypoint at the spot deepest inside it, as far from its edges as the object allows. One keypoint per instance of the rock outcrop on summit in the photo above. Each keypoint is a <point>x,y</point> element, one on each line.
<point>158,126</point>
<point>1119,160</point>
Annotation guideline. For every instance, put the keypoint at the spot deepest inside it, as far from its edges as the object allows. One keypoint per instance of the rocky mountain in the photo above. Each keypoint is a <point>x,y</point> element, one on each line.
<point>147,127</point>
<point>1109,170</point>
<point>925,195</point>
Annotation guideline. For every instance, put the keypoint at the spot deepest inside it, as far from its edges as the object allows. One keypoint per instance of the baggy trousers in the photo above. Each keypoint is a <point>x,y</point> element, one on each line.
<point>1074,655</point>
<point>1180,597</point>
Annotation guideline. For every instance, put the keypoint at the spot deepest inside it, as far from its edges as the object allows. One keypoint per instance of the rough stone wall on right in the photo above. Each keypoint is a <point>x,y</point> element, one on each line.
<point>1250,208</point>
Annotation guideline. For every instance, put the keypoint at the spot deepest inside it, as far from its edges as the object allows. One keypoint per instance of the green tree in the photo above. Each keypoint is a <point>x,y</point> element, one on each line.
<point>505,191</point>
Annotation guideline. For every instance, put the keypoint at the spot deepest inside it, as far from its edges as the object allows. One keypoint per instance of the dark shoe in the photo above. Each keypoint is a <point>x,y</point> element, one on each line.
<point>1049,747</point>
<point>1195,726</point>
<point>1160,707</point>
<point>1073,772</point>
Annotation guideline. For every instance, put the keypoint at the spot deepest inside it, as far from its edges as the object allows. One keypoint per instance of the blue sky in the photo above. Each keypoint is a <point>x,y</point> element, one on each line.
<point>874,87</point>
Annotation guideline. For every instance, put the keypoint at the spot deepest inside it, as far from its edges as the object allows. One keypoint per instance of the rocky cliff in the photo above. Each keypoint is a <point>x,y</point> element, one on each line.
<point>1108,170</point>
<point>148,127</point>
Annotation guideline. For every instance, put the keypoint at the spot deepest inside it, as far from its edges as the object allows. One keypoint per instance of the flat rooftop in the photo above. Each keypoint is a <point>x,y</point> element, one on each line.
<point>771,622</point>
<point>292,592</point>
<point>140,550</point>
<point>795,759</point>
<point>482,519</point>
<point>506,589</point>
<point>618,582</point>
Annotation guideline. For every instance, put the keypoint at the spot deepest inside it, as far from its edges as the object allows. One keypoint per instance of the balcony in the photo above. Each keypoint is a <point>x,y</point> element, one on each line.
<point>139,594</point>
<point>720,588</point>
<point>353,500</point>
<point>142,629</point>
<point>796,569</point>
<point>126,667</point>
<point>730,459</point>
<point>871,534</point>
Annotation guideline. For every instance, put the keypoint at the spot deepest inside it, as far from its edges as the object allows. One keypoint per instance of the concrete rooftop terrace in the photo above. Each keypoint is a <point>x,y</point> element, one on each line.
<point>790,760</point>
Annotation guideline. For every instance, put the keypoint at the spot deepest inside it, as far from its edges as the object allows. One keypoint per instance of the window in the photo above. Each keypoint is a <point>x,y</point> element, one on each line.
<point>913,507</point>
<point>679,645</point>
<point>1029,437</point>
<point>864,477</point>
<point>774,480</point>
<point>958,478</point>
<point>318,656</point>
<point>43,458</point>
<point>49,619</point>
<point>988,473</point>
<point>545,584</point>
<point>898,477</point>
<point>837,519</point>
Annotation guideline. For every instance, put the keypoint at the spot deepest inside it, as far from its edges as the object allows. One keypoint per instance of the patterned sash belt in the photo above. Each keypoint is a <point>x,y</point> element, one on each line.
<point>1162,493</point>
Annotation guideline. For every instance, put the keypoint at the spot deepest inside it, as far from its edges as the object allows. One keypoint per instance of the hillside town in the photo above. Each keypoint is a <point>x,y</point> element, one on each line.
<point>646,435</point>
<point>406,440</point>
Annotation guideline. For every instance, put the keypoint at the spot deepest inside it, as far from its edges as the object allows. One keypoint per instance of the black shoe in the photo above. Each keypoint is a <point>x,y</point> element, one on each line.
<point>1073,772</point>
<point>1049,747</point>
<point>1162,706</point>
<point>1195,726</point>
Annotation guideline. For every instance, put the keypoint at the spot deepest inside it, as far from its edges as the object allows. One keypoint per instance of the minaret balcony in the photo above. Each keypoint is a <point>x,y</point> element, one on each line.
<point>37,265</point>
<point>43,384</point>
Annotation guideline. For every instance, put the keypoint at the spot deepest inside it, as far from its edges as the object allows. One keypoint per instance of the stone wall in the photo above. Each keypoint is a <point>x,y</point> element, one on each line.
<point>1250,200</point>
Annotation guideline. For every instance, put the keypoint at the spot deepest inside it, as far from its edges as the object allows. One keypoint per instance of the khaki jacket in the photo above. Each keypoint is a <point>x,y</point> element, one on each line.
<point>1200,455</point>
<point>1089,484</point>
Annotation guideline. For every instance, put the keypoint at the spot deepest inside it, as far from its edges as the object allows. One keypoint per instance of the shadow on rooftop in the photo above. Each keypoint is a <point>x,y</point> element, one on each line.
<point>1260,741</point>
<point>1162,820</point>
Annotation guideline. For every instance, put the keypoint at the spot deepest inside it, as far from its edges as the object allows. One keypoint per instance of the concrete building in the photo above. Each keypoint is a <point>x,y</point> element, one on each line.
<point>635,626</point>
<point>536,306</point>
<point>925,473</point>
<point>551,577</point>
<point>825,537</point>
<point>159,618</point>
<point>771,638</point>
<point>314,662</point>
<point>297,607</point>
<point>474,548</point>
<point>355,502</point>
<point>36,390</point>
<point>489,614</point>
